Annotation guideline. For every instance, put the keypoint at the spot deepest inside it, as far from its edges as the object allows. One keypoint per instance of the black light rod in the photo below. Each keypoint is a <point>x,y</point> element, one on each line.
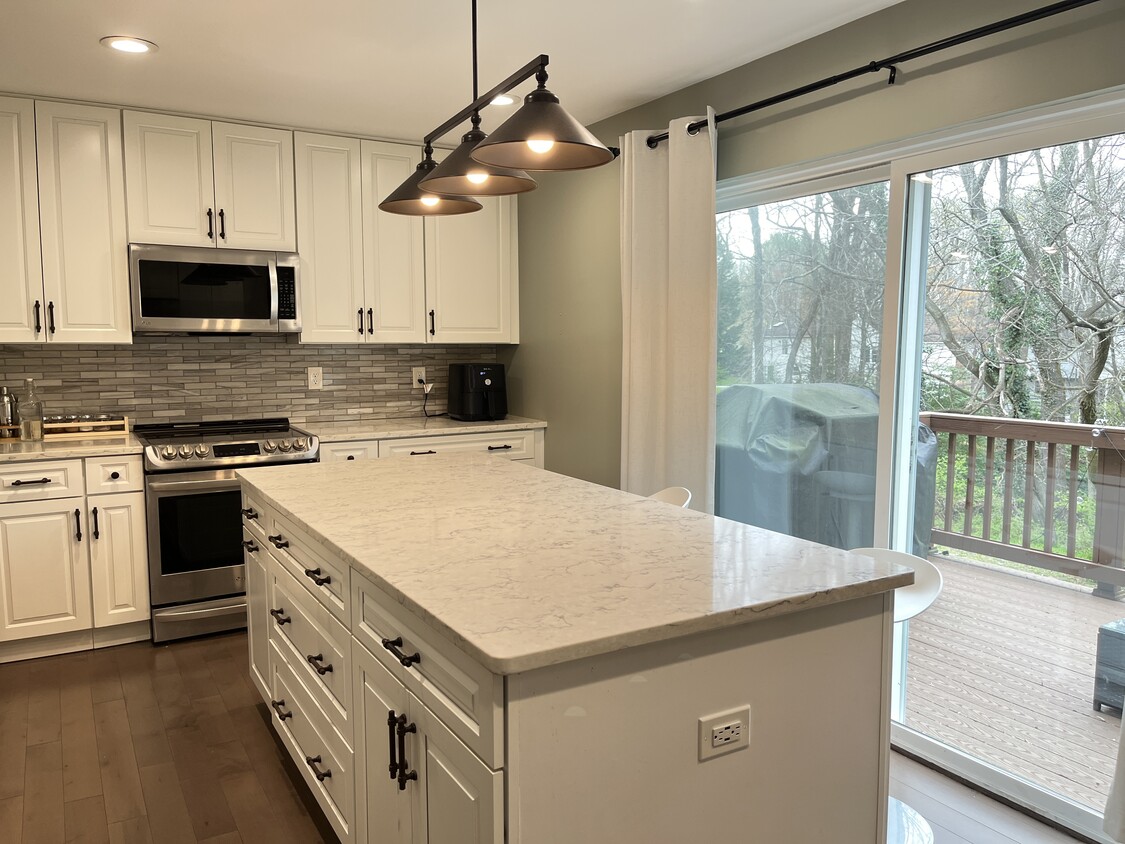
<point>889,63</point>
<point>533,67</point>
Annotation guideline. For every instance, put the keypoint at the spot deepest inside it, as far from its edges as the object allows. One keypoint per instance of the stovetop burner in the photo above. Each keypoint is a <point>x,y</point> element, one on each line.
<point>186,446</point>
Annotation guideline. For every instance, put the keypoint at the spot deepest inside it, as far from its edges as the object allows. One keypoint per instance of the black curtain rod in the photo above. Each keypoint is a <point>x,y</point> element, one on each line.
<point>889,63</point>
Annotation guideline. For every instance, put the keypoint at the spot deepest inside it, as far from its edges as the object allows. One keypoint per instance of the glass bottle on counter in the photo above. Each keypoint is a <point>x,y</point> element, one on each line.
<point>31,414</point>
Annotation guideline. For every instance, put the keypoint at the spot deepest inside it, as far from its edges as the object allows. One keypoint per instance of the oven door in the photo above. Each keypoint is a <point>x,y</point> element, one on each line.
<point>194,536</point>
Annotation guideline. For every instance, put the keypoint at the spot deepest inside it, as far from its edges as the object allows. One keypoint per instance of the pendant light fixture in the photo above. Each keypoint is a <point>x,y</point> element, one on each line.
<point>415,200</point>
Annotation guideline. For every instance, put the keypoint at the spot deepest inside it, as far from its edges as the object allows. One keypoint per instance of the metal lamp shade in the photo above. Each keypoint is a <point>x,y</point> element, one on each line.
<point>451,177</point>
<point>541,118</point>
<point>408,197</point>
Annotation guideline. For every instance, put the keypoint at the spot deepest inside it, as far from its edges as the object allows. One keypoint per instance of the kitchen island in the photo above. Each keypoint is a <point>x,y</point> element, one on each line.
<point>520,656</point>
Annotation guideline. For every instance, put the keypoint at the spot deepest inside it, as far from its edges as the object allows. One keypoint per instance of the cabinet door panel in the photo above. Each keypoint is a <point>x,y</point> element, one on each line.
<point>21,268</point>
<point>393,254</point>
<point>82,220</point>
<point>169,180</point>
<point>254,187</point>
<point>118,558</point>
<point>257,611</point>
<point>470,274</point>
<point>44,579</point>
<point>330,232</point>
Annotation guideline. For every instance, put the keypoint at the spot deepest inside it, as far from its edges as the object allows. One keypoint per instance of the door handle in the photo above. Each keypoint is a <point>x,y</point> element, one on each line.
<point>370,321</point>
<point>210,224</point>
<point>359,318</point>
<point>97,533</point>
<point>222,224</point>
<point>404,776</point>
<point>38,321</point>
<point>392,722</point>
<point>78,525</point>
<point>431,323</point>
<point>51,317</point>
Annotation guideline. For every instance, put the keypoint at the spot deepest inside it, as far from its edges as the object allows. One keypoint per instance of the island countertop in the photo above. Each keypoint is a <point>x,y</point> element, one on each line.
<point>524,568</point>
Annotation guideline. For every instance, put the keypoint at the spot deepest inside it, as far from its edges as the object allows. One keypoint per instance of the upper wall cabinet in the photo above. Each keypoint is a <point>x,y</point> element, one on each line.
<point>202,183</point>
<point>21,275</point>
<point>82,225</point>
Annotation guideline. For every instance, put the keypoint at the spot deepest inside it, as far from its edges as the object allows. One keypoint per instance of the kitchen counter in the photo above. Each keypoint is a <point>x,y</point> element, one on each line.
<point>376,429</point>
<point>12,451</point>
<point>524,568</point>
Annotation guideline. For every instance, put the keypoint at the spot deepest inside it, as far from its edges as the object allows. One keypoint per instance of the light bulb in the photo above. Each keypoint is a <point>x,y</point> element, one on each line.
<point>477,177</point>
<point>502,100</point>
<point>430,201</point>
<point>540,146</point>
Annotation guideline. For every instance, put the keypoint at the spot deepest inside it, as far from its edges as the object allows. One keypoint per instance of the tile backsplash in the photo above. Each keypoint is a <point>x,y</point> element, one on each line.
<point>216,377</point>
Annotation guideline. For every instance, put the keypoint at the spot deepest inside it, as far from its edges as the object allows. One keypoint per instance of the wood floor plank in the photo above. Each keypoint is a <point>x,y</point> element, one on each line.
<point>43,793</point>
<point>105,685</point>
<point>195,758</point>
<point>207,805</point>
<point>195,672</point>
<point>85,821</point>
<point>44,717</point>
<point>229,838</point>
<point>11,819</point>
<point>172,696</point>
<point>254,813</point>
<point>168,817</point>
<point>13,739</point>
<point>82,776</point>
<point>131,831</point>
<point>121,782</point>
<point>233,684</point>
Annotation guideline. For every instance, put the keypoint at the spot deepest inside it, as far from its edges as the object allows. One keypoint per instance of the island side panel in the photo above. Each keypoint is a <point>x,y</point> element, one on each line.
<point>605,750</point>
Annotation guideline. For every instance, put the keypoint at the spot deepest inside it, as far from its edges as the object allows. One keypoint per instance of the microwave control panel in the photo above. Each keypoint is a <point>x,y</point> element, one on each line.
<point>286,292</point>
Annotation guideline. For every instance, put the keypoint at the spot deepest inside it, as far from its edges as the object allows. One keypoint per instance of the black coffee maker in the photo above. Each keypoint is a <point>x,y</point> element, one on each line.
<point>477,392</point>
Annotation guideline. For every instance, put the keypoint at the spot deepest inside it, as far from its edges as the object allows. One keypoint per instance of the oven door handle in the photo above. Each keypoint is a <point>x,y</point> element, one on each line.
<point>197,484</point>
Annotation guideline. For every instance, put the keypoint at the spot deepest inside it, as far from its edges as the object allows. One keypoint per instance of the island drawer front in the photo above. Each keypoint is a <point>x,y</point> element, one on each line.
<point>255,516</point>
<point>121,473</point>
<point>460,691</point>
<point>311,631</point>
<point>326,579</point>
<point>364,450</point>
<point>41,480</point>
<point>307,736</point>
<point>515,445</point>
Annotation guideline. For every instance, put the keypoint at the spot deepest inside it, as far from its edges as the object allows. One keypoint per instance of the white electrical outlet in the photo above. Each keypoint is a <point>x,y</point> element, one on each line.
<point>724,732</point>
<point>316,377</point>
<point>417,377</point>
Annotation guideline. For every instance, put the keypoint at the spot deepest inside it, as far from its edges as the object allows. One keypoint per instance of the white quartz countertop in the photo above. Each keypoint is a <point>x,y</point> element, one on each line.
<point>12,451</point>
<point>381,429</point>
<point>524,568</point>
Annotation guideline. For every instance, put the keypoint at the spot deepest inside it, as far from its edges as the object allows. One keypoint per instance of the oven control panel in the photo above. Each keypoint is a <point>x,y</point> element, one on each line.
<point>237,450</point>
<point>291,446</point>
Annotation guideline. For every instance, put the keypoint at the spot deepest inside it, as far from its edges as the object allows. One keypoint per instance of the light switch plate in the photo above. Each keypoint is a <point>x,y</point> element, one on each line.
<point>724,732</point>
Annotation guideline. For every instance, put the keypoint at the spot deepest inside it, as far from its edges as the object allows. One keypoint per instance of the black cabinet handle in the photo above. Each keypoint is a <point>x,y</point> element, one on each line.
<point>32,483</point>
<point>249,512</point>
<point>97,533</point>
<point>370,321</point>
<point>317,662</point>
<point>315,576</point>
<point>210,224</point>
<point>431,323</point>
<point>359,318</point>
<point>312,762</point>
<point>78,525</point>
<point>249,545</point>
<point>278,542</point>
<point>38,320</point>
<point>280,617</point>
<point>404,776</point>
<point>416,453</point>
<point>277,704</point>
<point>392,722</point>
<point>499,448</point>
<point>350,457</point>
<point>222,224</point>
<point>393,646</point>
<point>51,317</point>
<point>115,476</point>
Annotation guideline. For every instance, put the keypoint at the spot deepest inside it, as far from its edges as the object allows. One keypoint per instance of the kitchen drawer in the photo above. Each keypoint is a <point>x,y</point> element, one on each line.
<point>312,639</point>
<point>254,515</point>
<point>310,738</point>
<point>460,691</point>
<point>366,450</point>
<point>303,557</point>
<point>114,474</point>
<point>514,445</point>
<point>40,480</point>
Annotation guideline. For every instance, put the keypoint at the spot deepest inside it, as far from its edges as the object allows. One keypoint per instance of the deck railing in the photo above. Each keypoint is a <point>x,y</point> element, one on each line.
<point>1026,491</point>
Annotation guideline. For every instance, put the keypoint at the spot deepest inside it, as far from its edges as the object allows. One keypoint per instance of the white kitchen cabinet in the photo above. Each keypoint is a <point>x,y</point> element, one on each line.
<point>82,224</point>
<point>44,575</point>
<point>202,183</point>
<point>363,450</point>
<point>118,558</point>
<point>257,610</point>
<point>471,267</point>
<point>21,267</point>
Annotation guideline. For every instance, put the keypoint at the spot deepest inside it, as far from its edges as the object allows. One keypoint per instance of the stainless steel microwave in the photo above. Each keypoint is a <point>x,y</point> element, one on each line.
<point>187,289</point>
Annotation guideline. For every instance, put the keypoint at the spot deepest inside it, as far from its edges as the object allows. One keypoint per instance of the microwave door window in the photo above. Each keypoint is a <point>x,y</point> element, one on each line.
<point>181,290</point>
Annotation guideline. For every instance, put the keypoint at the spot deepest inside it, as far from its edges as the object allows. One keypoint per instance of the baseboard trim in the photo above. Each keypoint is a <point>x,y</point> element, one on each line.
<point>80,640</point>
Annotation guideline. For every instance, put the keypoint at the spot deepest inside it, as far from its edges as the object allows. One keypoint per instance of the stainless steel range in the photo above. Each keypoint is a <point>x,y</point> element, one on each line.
<point>194,508</point>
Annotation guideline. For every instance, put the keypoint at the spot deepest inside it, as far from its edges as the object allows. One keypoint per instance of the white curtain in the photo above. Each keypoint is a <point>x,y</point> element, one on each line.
<point>668,291</point>
<point>1115,806</point>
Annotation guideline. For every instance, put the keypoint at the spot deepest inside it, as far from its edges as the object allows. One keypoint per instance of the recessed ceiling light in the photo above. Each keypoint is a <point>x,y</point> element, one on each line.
<point>503,100</point>
<point>128,44</point>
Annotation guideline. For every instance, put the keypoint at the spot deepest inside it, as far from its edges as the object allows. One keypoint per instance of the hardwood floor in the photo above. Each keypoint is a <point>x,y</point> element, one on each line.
<point>146,745</point>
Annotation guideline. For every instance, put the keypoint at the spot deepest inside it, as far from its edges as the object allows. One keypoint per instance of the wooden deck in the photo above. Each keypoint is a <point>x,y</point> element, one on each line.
<point>1002,667</point>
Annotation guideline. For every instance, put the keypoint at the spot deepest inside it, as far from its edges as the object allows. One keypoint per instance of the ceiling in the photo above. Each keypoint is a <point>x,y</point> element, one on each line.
<point>388,68</point>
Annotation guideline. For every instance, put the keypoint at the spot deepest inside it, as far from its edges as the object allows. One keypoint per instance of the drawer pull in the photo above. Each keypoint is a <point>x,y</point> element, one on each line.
<point>249,512</point>
<point>115,476</point>
<point>315,576</point>
<point>321,776</point>
<point>32,483</point>
<point>249,545</point>
<point>277,704</point>
<point>350,457</point>
<point>404,776</point>
<point>278,542</point>
<point>500,448</point>
<point>392,722</point>
<point>422,452</point>
<point>280,617</point>
<point>393,646</point>
<point>315,662</point>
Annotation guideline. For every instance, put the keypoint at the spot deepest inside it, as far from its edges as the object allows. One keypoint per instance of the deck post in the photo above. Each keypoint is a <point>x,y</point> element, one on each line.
<point>1109,517</point>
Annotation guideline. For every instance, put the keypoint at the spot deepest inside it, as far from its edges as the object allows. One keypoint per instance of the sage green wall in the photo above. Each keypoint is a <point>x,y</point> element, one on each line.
<point>567,369</point>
